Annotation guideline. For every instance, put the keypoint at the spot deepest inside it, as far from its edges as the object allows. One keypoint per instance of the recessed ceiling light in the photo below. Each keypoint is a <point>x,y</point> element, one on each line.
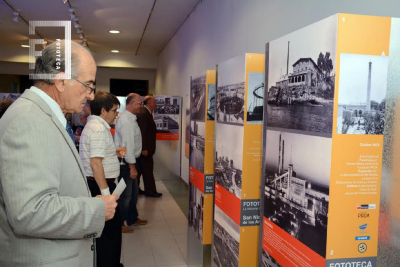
<point>113,31</point>
<point>25,45</point>
<point>115,51</point>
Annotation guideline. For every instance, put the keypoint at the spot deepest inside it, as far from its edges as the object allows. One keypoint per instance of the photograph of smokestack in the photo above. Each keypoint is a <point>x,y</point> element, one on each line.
<point>362,94</point>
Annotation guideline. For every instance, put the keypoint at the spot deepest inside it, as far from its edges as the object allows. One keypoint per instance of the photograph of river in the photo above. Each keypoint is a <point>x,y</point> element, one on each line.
<point>301,79</point>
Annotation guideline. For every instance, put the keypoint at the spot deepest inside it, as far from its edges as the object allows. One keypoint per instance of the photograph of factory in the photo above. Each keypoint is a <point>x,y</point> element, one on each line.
<point>362,94</point>
<point>268,261</point>
<point>255,98</point>
<point>198,98</point>
<point>195,215</point>
<point>211,102</point>
<point>297,174</point>
<point>229,158</point>
<point>197,143</point>
<point>167,105</point>
<point>301,79</point>
<point>230,91</point>
<point>226,240</point>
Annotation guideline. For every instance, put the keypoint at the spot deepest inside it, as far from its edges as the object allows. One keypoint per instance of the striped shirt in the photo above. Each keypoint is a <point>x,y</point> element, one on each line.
<point>96,141</point>
<point>127,130</point>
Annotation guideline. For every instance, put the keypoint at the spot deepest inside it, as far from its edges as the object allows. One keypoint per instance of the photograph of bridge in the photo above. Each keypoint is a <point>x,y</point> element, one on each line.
<point>301,79</point>
<point>255,98</point>
<point>198,98</point>
<point>229,158</point>
<point>197,143</point>
<point>296,190</point>
<point>362,94</point>
<point>226,240</point>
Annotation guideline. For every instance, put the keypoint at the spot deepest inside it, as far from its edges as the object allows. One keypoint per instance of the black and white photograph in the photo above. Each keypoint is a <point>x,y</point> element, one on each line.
<point>362,94</point>
<point>268,261</point>
<point>211,102</point>
<point>195,216</point>
<point>255,98</point>
<point>301,79</point>
<point>167,123</point>
<point>297,175</point>
<point>230,91</point>
<point>226,240</point>
<point>229,157</point>
<point>198,98</point>
<point>187,133</point>
<point>167,105</point>
<point>197,144</point>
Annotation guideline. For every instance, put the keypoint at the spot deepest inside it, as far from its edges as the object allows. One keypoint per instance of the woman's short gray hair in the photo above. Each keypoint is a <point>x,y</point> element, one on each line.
<point>53,62</point>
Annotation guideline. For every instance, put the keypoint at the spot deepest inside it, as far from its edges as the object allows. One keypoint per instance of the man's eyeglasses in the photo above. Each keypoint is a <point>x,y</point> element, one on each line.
<point>92,89</point>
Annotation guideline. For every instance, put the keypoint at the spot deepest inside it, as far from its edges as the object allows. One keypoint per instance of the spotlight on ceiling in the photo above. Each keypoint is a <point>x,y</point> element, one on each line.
<point>115,51</point>
<point>25,46</point>
<point>16,17</point>
<point>65,1</point>
<point>114,31</point>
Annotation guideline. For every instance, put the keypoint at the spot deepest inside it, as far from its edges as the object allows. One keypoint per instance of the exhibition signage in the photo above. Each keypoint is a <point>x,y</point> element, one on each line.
<point>201,155</point>
<point>167,117</point>
<point>323,140</point>
<point>238,145</point>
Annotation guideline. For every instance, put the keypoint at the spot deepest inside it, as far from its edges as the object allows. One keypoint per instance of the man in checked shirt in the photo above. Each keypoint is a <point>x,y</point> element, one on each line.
<point>127,130</point>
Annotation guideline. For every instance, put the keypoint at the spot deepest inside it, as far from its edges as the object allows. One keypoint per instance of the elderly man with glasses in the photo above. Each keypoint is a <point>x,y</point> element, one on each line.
<point>47,215</point>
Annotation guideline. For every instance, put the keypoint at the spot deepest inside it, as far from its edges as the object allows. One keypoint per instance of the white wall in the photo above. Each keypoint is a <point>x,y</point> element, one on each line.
<point>221,29</point>
<point>104,74</point>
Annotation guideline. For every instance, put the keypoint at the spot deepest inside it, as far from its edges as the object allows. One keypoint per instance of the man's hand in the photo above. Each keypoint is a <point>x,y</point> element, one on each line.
<point>111,203</point>
<point>132,171</point>
<point>119,150</point>
<point>145,153</point>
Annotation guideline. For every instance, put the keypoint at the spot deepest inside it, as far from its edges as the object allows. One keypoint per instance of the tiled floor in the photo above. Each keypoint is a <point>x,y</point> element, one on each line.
<point>163,241</point>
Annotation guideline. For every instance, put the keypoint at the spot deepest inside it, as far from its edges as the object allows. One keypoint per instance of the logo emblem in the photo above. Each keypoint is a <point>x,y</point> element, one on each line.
<point>362,247</point>
<point>363,227</point>
<point>363,215</point>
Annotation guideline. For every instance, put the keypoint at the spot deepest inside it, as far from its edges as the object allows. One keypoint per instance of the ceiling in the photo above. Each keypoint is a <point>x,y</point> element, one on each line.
<point>146,26</point>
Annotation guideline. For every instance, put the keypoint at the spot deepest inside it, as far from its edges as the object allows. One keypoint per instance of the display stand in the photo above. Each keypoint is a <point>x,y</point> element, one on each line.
<point>240,92</point>
<point>323,143</point>
<point>201,160</point>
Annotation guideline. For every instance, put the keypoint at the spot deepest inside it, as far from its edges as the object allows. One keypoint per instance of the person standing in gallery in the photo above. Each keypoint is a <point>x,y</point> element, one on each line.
<point>127,131</point>
<point>145,161</point>
<point>100,161</point>
<point>47,215</point>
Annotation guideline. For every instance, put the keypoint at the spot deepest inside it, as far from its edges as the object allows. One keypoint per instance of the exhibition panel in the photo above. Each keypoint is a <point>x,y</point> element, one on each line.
<point>201,161</point>
<point>167,117</point>
<point>323,142</point>
<point>240,88</point>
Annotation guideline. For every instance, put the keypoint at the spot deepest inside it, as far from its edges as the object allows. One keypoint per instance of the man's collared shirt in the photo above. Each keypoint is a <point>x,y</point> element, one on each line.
<point>54,106</point>
<point>127,130</point>
<point>96,141</point>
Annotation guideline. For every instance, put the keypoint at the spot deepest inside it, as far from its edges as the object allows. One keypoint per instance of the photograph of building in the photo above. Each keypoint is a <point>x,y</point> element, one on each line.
<point>226,240</point>
<point>198,98</point>
<point>362,94</point>
<point>255,98</point>
<point>229,158</point>
<point>211,102</point>
<point>195,215</point>
<point>301,78</point>
<point>167,123</point>
<point>197,143</point>
<point>296,196</point>
<point>268,261</point>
